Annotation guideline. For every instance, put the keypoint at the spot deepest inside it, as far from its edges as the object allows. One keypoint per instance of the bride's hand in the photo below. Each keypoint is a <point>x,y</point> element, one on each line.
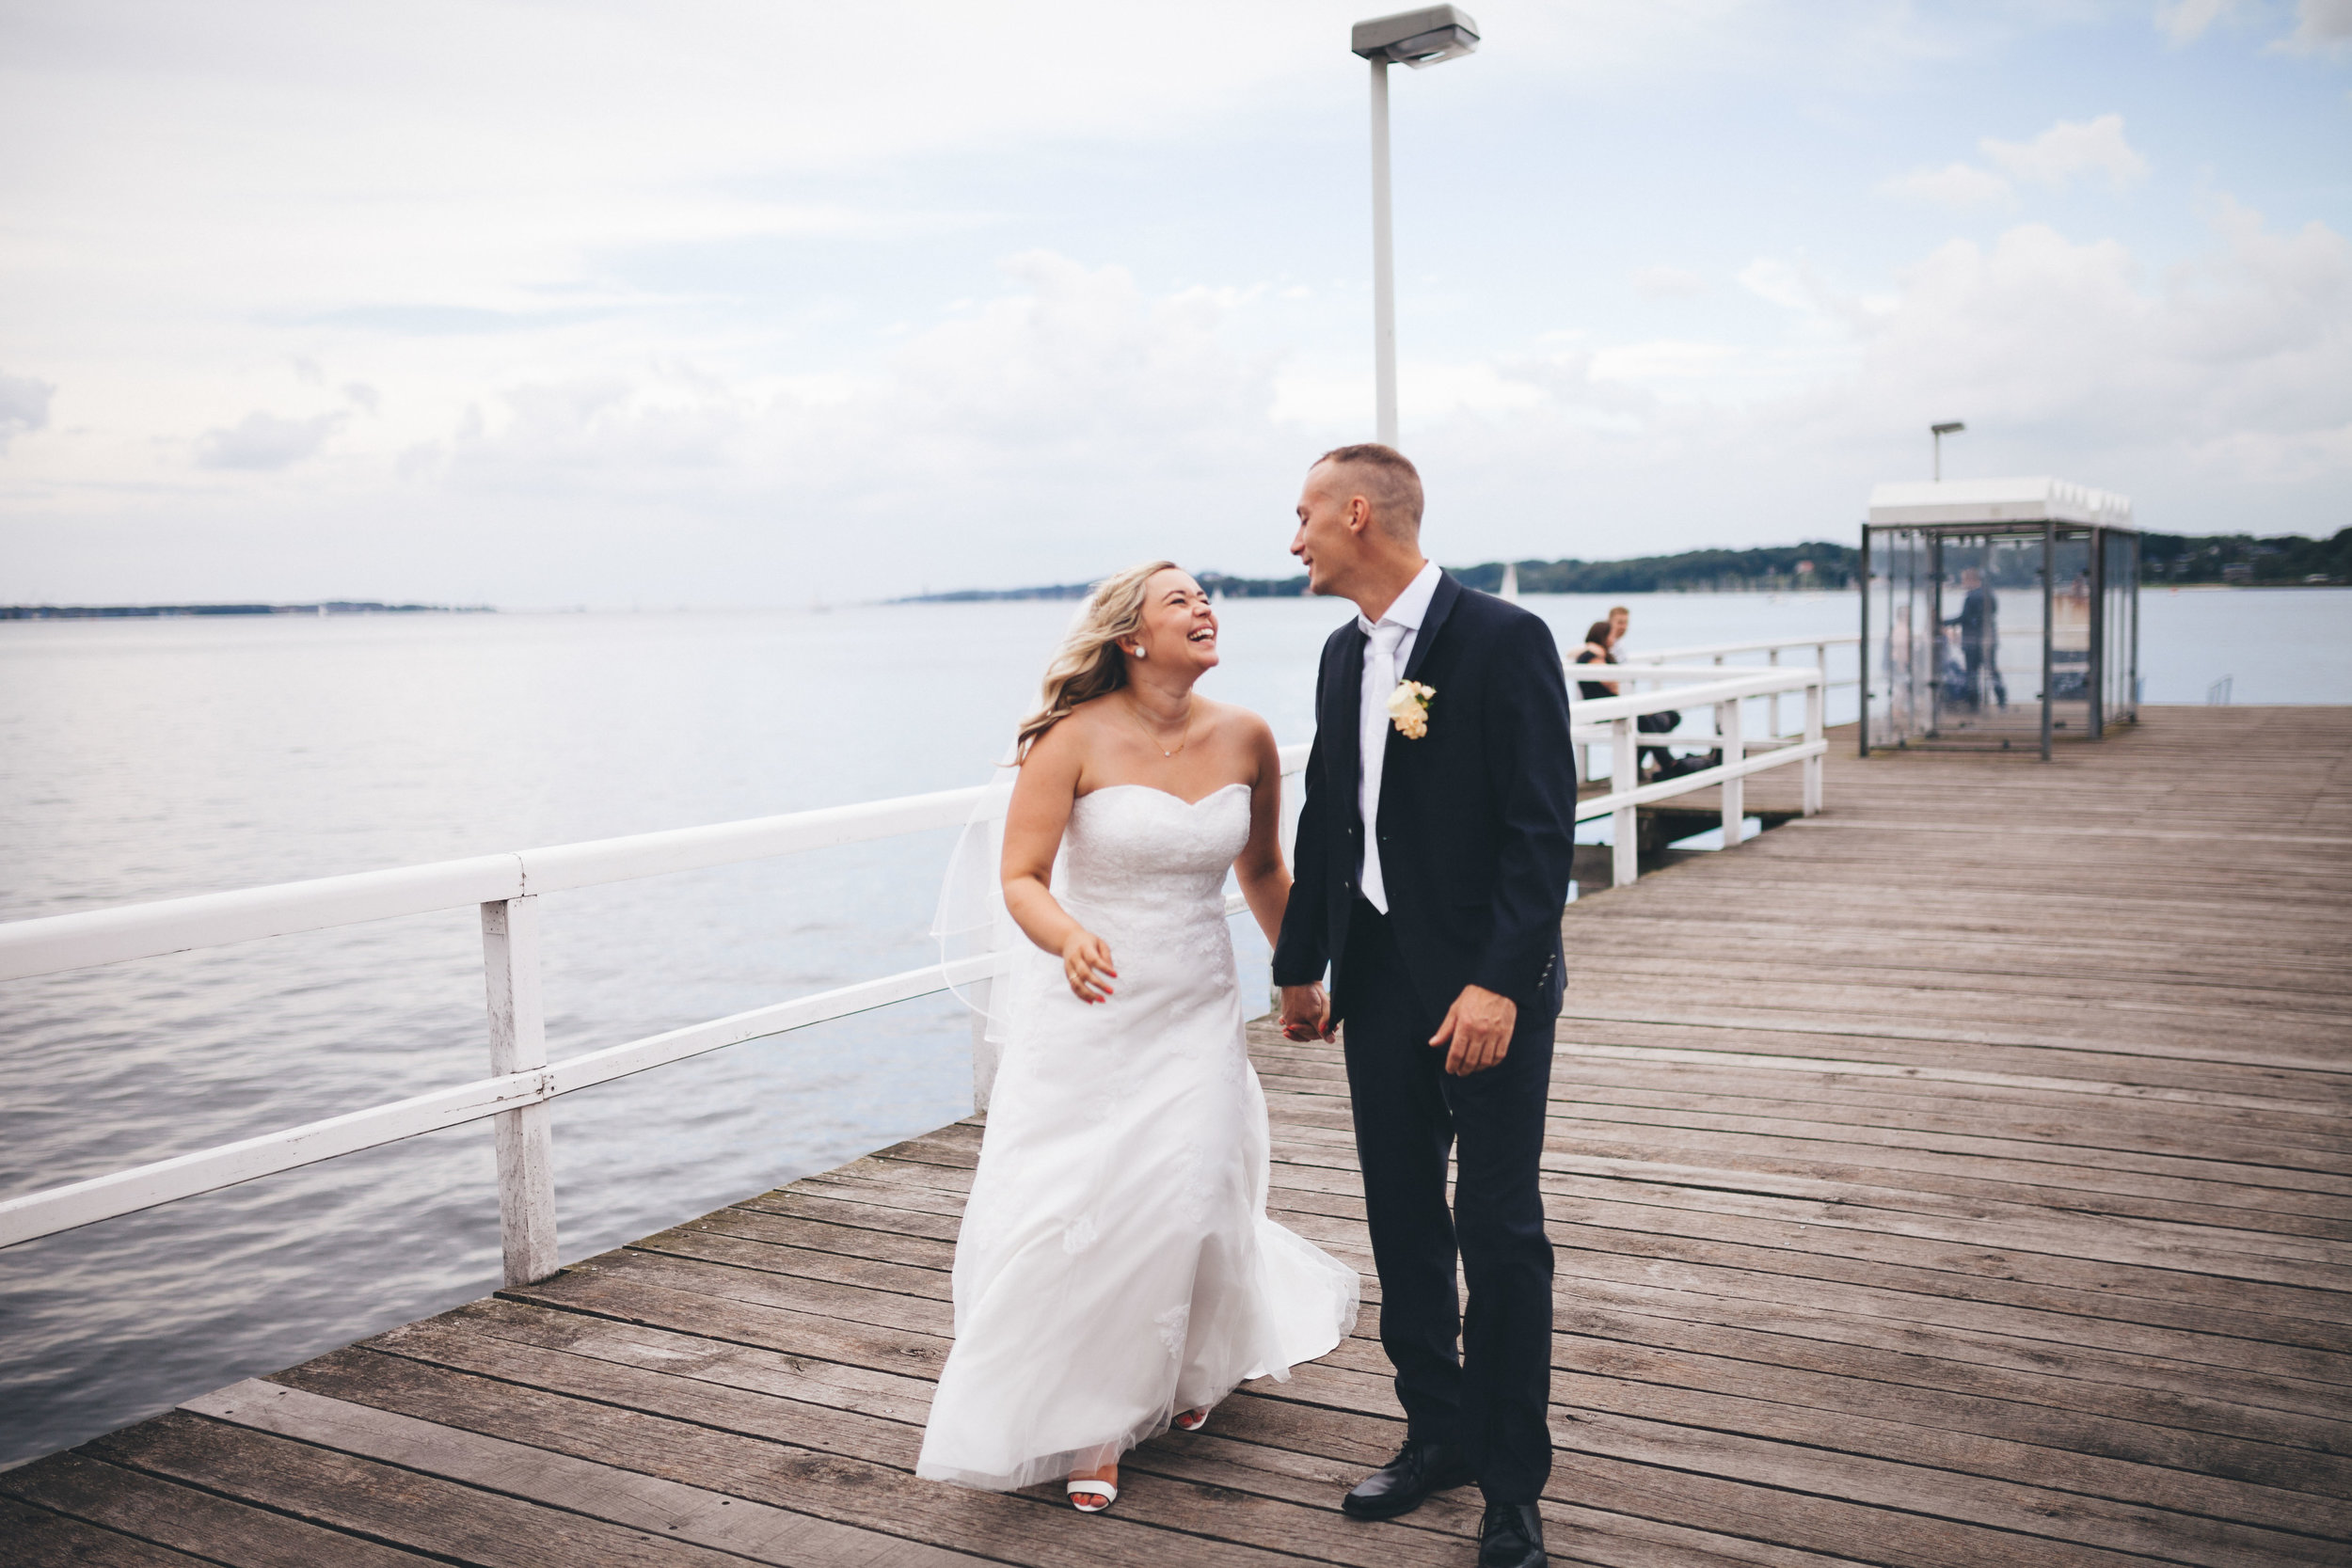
<point>1086,959</point>
<point>1306,1013</point>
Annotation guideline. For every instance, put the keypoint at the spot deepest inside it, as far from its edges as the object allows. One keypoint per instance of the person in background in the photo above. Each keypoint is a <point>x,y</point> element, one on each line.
<point>1980,637</point>
<point>1600,640</point>
<point>1600,647</point>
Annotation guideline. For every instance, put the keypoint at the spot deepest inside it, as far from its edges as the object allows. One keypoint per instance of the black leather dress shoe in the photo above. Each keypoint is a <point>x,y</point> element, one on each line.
<point>1511,1536</point>
<point>1404,1482</point>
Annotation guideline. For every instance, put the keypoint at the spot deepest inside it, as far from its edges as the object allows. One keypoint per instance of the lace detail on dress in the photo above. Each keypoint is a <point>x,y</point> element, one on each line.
<point>1171,1324</point>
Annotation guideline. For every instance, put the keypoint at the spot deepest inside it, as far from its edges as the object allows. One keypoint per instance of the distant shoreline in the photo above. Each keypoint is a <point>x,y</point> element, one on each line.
<point>1814,566</point>
<point>1818,565</point>
<point>156,611</point>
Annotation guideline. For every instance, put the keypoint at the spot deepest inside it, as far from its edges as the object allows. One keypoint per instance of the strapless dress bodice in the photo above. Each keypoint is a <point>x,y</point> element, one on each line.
<point>1142,854</point>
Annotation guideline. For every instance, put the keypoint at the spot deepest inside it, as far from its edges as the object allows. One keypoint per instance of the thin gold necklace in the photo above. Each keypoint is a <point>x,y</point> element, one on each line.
<point>1135,712</point>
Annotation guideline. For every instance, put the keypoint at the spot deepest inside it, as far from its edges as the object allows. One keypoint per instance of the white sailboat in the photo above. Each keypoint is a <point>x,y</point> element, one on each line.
<point>1510,589</point>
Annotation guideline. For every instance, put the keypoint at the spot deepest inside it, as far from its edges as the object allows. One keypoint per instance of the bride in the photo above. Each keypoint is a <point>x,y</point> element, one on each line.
<point>1116,1273</point>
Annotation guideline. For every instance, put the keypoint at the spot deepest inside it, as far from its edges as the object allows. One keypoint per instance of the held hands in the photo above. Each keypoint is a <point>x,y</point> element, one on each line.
<point>1306,1014</point>
<point>1086,963</point>
<point>1478,1027</point>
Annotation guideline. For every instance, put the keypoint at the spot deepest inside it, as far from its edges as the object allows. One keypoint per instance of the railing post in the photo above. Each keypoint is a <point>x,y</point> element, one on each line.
<point>1816,699</point>
<point>518,1042</point>
<point>1625,829</point>
<point>1771,720</point>
<point>1735,794</point>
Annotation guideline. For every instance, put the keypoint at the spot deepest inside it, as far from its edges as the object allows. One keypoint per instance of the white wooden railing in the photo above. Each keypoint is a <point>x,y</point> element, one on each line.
<point>1690,686</point>
<point>1771,648</point>
<point>506,888</point>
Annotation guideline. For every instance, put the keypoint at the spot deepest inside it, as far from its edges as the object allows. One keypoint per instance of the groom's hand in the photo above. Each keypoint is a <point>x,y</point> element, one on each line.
<point>1478,1028</point>
<point>1306,1013</point>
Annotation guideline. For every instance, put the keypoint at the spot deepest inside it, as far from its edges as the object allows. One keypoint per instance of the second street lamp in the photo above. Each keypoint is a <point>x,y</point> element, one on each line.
<point>1937,433</point>
<point>1417,38</point>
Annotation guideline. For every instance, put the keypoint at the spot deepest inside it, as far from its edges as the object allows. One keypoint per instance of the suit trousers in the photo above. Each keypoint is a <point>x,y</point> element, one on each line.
<point>1491,1398</point>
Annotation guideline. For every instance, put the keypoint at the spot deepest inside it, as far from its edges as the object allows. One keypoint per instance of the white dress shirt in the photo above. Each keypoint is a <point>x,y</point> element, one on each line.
<point>1385,659</point>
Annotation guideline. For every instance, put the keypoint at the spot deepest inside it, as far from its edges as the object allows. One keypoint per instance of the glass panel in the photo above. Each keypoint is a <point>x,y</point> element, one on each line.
<point>1900,664</point>
<point>2120,555</point>
<point>2070,670</point>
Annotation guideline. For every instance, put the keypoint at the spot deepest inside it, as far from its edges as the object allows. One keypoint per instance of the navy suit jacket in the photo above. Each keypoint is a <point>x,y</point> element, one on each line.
<point>1477,817</point>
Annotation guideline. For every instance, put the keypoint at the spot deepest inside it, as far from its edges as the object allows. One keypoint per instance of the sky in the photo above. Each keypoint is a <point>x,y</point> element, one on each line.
<point>765,303</point>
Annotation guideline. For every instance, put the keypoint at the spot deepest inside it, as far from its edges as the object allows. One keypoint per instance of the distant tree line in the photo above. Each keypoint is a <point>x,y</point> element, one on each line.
<point>2287,558</point>
<point>2164,559</point>
<point>1777,568</point>
<point>1780,568</point>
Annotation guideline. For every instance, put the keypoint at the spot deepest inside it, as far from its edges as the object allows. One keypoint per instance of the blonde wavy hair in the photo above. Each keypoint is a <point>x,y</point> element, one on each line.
<point>1088,664</point>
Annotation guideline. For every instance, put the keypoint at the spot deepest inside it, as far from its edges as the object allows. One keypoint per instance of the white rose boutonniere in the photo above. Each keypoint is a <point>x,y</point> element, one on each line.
<point>1409,708</point>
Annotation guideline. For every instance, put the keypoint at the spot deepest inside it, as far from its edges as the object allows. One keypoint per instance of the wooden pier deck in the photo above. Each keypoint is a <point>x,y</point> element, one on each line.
<point>1960,1177</point>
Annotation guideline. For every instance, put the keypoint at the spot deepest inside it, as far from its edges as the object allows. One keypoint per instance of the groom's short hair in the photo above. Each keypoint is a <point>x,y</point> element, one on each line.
<point>1389,481</point>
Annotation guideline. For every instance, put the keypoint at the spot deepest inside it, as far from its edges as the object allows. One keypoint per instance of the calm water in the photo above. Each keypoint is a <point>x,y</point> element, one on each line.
<point>143,760</point>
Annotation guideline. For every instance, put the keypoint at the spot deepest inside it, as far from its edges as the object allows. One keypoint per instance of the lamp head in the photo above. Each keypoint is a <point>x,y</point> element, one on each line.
<point>1954,428</point>
<point>1418,37</point>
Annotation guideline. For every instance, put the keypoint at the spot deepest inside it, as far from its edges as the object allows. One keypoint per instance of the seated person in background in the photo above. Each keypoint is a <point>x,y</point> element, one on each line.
<point>1600,643</point>
<point>1600,647</point>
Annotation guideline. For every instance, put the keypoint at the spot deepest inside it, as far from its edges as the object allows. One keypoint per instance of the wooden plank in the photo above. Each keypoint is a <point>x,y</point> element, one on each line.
<point>35,1538</point>
<point>401,1507</point>
<point>190,1520</point>
<point>849,1436</point>
<point>1834,1087</point>
<point>854,1468</point>
<point>668,1509</point>
<point>2206,1387</point>
<point>2279,1465</point>
<point>631,1298</point>
<point>2129,1461</point>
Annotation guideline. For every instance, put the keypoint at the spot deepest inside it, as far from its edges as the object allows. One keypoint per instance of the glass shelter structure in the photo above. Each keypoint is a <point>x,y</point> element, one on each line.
<point>1998,614</point>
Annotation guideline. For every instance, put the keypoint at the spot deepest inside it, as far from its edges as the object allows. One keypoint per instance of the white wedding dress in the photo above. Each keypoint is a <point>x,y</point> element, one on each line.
<point>1116,1265</point>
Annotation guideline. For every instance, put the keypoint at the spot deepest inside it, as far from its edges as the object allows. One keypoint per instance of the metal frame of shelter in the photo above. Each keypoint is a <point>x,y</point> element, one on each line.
<point>1953,573</point>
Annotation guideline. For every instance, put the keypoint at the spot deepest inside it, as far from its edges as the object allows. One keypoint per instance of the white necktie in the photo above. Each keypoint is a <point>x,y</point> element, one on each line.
<point>1379,680</point>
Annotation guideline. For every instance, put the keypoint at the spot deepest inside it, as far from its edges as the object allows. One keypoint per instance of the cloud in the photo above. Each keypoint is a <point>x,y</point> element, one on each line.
<point>1778,282</point>
<point>24,407</point>
<point>265,442</point>
<point>2213,391</point>
<point>1664,361</point>
<point>2247,349</point>
<point>1953,185</point>
<point>2069,148</point>
<point>666,259</point>
<point>2185,20</point>
<point>2320,26</point>
<point>1665,282</point>
<point>1066,425</point>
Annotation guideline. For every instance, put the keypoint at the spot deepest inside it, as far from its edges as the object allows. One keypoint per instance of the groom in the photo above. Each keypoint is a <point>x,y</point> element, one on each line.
<point>1433,856</point>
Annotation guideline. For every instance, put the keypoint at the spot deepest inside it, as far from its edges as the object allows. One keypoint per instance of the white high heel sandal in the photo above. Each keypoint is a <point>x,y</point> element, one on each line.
<point>1107,1490</point>
<point>1192,1420</point>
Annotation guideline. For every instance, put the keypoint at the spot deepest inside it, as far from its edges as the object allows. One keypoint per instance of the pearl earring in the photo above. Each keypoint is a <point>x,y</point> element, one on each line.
<point>1139,653</point>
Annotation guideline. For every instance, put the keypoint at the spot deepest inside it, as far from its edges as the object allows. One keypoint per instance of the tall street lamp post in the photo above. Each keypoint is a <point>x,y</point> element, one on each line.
<point>1417,38</point>
<point>1937,433</point>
